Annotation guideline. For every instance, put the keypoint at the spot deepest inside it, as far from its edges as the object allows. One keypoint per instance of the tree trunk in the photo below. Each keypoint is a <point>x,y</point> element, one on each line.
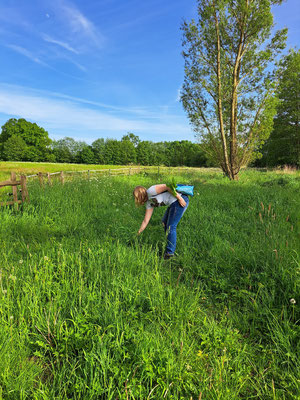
<point>234,162</point>
<point>220,111</point>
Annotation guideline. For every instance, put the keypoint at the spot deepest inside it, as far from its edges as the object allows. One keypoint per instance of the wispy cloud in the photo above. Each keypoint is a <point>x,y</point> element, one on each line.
<point>79,66</point>
<point>178,97</point>
<point>12,16</point>
<point>64,45</point>
<point>80,24</point>
<point>26,53</point>
<point>64,55</point>
<point>76,117</point>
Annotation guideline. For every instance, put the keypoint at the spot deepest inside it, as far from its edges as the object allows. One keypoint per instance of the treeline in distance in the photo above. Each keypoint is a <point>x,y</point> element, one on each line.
<point>21,140</point>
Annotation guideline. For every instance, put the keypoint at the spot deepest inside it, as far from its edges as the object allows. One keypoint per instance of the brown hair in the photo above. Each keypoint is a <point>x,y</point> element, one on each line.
<point>140,195</point>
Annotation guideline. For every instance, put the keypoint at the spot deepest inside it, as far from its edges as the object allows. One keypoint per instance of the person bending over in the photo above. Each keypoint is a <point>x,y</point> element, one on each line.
<point>158,196</point>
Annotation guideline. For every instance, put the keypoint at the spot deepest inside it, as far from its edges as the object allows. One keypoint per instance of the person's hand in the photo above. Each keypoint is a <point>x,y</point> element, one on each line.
<point>182,202</point>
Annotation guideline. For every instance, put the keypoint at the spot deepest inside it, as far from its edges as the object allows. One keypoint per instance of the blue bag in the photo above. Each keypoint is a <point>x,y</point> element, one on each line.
<point>185,189</point>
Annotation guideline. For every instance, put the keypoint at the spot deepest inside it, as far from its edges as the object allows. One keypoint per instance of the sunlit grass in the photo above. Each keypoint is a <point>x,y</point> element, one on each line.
<point>29,168</point>
<point>89,310</point>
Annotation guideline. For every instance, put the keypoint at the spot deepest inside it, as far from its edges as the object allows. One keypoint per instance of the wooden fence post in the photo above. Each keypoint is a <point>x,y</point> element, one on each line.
<point>62,178</point>
<point>13,178</point>
<point>25,196</point>
<point>49,179</point>
<point>40,175</point>
<point>129,171</point>
<point>88,174</point>
<point>109,172</point>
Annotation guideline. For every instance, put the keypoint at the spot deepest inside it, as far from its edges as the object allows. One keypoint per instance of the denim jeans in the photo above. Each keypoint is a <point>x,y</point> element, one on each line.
<point>170,220</point>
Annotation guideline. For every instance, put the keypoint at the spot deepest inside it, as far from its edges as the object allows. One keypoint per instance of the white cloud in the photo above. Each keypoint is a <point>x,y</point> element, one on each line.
<point>178,97</point>
<point>26,53</point>
<point>60,43</point>
<point>79,24</point>
<point>77,117</point>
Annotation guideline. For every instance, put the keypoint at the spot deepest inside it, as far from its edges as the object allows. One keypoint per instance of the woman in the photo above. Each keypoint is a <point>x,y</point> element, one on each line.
<point>157,196</point>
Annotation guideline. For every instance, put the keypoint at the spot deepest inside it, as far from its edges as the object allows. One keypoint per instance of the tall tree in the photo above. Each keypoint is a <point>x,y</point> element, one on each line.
<point>86,155</point>
<point>228,90</point>
<point>144,152</point>
<point>112,154</point>
<point>283,145</point>
<point>67,150</point>
<point>36,140</point>
<point>127,152</point>
<point>132,138</point>
<point>98,147</point>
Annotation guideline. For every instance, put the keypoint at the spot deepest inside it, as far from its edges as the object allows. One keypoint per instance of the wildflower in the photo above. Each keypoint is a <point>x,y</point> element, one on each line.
<point>21,261</point>
<point>11,317</point>
<point>46,258</point>
<point>12,277</point>
<point>292,301</point>
<point>4,291</point>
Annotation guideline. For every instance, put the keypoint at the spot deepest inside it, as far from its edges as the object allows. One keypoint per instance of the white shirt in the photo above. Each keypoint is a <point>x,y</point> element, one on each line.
<point>158,200</point>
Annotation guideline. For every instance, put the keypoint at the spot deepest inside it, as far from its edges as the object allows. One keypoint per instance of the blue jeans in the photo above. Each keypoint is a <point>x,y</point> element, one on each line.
<point>170,220</point>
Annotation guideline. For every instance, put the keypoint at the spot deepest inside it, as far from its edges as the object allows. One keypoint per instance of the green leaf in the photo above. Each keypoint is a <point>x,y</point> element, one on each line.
<point>172,185</point>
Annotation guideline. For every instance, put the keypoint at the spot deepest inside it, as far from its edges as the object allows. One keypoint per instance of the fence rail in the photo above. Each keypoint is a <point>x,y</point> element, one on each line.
<point>109,171</point>
<point>13,183</point>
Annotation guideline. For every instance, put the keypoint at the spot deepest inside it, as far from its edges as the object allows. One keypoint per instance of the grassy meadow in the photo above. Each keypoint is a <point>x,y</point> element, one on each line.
<point>30,168</point>
<point>90,310</point>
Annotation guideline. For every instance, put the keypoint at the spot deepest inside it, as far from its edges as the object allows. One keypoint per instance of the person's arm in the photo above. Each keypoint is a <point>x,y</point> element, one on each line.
<point>148,215</point>
<point>163,188</point>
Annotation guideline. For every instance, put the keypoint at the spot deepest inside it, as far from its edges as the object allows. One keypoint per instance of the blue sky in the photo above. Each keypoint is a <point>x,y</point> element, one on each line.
<point>101,68</point>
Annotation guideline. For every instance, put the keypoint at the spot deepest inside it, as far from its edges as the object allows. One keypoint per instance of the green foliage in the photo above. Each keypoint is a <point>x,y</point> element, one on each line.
<point>128,152</point>
<point>131,137</point>
<point>172,185</point>
<point>112,152</point>
<point>17,133</point>
<point>88,310</point>
<point>144,152</point>
<point>14,149</point>
<point>98,147</point>
<point>86,156</point>
<point>67,150</point>
<point>283,146</point>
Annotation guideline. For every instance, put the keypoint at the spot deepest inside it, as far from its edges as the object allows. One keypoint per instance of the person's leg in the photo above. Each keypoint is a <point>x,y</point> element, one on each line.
<point>175,214</point>
<point>164,219</point>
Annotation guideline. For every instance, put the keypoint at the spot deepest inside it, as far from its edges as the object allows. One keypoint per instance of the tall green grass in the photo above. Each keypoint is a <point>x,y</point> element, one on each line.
<point>89,310</point>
